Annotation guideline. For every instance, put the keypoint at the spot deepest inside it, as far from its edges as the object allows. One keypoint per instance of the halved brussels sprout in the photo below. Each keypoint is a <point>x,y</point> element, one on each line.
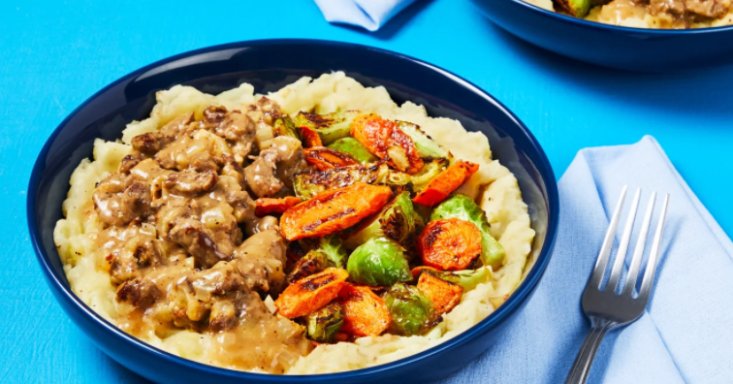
<point>310,183</point>
<point>426,146</point>
<point>353,147</point>
<point>333,247</point>
<point>464,208</point>
<point>313,262</point>
<point>396,221</point>
<point>284,127</point>
<point>577,8</point>
<point>419,180</point>
<point>412,312</point>
<point>467,278</point>
<point>330,127</point>
<point>323,324</point>
<point>378,262</point>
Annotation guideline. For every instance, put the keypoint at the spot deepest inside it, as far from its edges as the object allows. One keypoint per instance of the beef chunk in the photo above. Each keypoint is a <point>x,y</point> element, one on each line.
<point>708,8</point>
<point>148,143</point>
<point>213,116</point>
<point>189,182</point>
<point>261,177</point>
<point>120,199</point>
<point>198,240</point>
<point>223,315</point>
<point>139,292</point>
<point>240,131</point>
<point>130,161</point>
<point>270,110</point>
<point>152,142</point>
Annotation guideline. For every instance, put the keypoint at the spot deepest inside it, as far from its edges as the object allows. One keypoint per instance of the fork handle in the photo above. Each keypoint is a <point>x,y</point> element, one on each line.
<point>584,360</point>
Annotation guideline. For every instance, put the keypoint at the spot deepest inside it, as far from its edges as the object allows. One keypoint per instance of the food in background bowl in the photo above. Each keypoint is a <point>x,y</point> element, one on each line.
<point>397,231</point>
<point>677,14</point>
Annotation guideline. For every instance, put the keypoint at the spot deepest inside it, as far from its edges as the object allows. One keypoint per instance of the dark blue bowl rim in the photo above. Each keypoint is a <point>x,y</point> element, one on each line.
<point>616,28</point>
<point>490,322</point>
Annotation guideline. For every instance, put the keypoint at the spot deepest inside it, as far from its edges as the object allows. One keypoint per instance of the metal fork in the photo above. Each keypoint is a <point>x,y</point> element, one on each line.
<point>605,308</point>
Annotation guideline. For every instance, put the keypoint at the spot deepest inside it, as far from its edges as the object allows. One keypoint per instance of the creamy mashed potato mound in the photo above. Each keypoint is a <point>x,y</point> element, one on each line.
<point>494,186</point>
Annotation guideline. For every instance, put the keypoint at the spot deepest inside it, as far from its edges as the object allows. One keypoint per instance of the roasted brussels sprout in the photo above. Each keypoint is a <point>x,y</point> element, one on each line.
<point>323,324</point>
<point>412,312</point>
<point>468,278</point>
<point>378,262</point>
<point>330,127</point>
<point>426,147</point>
<point>333,247</point>
<point>284,127</point>
<point>310,183</point>
<point>462,207</point>
<point>353,147</point>
<point>577,8</point>
<point>313,262</point>
<point>421,179</point>
<point>396,221</point>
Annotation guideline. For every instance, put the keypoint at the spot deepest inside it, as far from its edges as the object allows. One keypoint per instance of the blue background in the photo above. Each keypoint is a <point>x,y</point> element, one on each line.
<point>55,54</point>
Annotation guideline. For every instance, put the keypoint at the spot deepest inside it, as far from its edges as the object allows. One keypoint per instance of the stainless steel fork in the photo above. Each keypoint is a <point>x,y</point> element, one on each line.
<point>605,308</point>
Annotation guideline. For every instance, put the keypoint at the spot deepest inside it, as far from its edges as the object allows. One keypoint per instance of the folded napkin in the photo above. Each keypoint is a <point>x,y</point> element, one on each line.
<point>369,14</point>
<point>686,334</point>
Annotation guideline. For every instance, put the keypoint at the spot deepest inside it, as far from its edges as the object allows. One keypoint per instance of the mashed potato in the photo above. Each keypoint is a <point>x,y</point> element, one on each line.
<point>501,200</point>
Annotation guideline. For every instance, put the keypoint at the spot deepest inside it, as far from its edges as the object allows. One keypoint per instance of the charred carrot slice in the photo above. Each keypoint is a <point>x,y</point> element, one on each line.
<point>447,182</point>
<point>311,293</point>
<point>365,313</point>
<point>310,137</point>
<point>443,294</point>
<point>387,141</point>
<point>265,205</point>
<point>326,158</point>
<point>449,244</point>
<point>333,210</point>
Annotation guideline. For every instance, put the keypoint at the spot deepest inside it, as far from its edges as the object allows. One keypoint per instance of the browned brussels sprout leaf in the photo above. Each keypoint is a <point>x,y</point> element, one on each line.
<point>412,312</point>
<point>284,127</point>
<point>323,324</point>
<point>397,221</point>
<point>313,262</point>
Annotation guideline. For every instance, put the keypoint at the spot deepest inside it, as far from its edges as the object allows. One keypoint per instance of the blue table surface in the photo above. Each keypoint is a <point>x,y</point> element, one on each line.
<point>55,54</point>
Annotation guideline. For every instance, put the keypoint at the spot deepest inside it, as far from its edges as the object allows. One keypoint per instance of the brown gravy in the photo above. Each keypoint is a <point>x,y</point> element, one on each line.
<point>183,247</point>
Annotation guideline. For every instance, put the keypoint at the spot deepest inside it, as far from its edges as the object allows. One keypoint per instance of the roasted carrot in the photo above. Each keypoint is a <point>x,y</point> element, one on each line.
<point>341,336</point>
<point>326,158</point>
<point>311,293</point>
<point>447,182</point>
<point>443,294</point>
<point>449,244</point>
<point>333,210</point>
<point>387,141</point>
<point>365,313</point>
<point>266,205</point>
<point>310,137</point>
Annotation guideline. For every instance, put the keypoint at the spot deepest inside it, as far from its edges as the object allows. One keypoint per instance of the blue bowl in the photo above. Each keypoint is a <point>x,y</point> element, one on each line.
<point>634,49</point>
<point>269,65</point>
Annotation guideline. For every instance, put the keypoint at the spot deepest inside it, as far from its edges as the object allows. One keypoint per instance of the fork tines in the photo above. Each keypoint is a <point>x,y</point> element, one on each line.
<point>613,283</point>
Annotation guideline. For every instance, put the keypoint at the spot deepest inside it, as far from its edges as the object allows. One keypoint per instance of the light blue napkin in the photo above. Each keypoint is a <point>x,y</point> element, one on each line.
<point>369,14</point>
<point>686,335</point>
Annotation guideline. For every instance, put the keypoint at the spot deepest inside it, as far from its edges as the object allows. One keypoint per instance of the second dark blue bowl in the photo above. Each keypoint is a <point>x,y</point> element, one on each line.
<point>634,49</point>
<point>269,65</point>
